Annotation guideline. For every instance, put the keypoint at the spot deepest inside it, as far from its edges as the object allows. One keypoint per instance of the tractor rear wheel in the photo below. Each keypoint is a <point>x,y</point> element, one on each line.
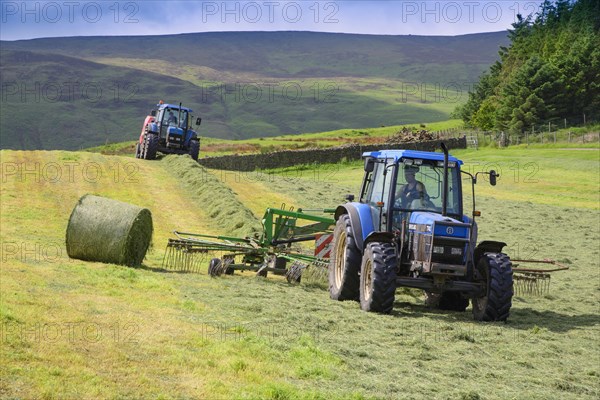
<point>150,146</point>
<point>451,301</point>
<point>344,263</point>
<point>378,278</point>
<point>495,271</point>
<point>194,149</point>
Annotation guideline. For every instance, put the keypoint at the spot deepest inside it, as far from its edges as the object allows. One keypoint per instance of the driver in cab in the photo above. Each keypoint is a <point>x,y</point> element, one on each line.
<point>172,118</point>
<point>412,189</point>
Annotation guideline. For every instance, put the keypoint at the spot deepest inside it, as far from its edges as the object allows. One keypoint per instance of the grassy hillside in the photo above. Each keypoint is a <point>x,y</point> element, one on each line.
<point>295,54</point>
<point>76,329</point>
<point>243,84</point>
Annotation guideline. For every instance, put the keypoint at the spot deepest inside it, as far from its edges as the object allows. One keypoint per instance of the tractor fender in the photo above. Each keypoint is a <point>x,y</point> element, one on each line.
<point>361,220</point>
<point>190,135</point>
<point>487,246</point>
<point>153,127</point>
<point>380,237</point>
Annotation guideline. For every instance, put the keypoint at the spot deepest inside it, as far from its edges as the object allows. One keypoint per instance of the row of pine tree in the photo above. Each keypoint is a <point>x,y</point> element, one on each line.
<point>549,73</point>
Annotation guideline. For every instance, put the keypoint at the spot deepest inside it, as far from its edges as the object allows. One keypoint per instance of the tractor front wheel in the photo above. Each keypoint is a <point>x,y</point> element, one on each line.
<point>150,146</point>
<point>194,149</point>
<point>495,271</point>
<point>344,262</point>
<point>138,150</point>
<point>378,278</point>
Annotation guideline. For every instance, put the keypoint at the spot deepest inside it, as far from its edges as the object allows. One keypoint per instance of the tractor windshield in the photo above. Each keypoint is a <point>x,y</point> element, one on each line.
<point>420,187</point>
<point>175,117</point>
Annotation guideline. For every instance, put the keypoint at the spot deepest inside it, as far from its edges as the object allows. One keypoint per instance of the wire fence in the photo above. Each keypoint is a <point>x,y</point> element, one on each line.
<point>551,132</point>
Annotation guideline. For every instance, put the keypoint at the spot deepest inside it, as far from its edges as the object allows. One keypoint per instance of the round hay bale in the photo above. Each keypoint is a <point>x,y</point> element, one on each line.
<point>109,231</point>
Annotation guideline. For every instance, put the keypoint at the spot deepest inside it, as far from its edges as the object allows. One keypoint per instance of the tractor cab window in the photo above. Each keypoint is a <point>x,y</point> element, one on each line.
<point>419,187</point>
<point>175,117</point>
<point>379,191</point>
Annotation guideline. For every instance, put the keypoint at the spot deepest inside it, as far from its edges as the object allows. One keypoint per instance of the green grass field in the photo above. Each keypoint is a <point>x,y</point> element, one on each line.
<point>72,329</point>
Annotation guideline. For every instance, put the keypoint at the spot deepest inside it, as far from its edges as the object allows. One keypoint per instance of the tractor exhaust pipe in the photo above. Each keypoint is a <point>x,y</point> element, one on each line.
<point>179,116</point>
<point>445,188</point>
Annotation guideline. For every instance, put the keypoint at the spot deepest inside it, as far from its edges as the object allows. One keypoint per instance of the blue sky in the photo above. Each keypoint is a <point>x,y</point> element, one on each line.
<point>34,19</point>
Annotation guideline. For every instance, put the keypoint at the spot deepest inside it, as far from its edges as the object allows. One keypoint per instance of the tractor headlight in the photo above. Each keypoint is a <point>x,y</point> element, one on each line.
<point>438,249</point>
<point>456,251</point>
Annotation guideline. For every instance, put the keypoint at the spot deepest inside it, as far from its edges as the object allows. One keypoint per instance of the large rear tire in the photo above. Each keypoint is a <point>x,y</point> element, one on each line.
<point>344,263</point>
<point>495,271</point>
<point>194,149</point>
<point>150,146</point>
<point>378,278</point>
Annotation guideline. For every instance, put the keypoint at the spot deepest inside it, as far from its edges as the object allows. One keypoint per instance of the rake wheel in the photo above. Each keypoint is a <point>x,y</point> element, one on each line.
<point>215,267</point>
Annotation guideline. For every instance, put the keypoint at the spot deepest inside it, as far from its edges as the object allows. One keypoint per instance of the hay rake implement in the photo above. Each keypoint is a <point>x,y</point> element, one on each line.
<point>533,281</point>
<point>279,245</point>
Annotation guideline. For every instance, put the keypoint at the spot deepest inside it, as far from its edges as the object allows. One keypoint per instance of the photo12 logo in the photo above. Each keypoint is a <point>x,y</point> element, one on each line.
<point>270,92</point>
<point>66,92</point>
<point>67,172</point>
<point>253,12</point>
<point>54,12</point>
<point>454,12</point>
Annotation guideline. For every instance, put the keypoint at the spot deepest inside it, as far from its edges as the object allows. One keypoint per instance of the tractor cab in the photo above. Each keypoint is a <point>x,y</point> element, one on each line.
<point>173,124</point>
<point>172,118</point>
<point>398,183</point>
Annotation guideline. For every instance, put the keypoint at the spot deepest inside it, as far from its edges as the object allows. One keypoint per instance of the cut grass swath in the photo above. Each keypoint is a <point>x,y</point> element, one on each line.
<point>214,197</point>
<point>108,231</point>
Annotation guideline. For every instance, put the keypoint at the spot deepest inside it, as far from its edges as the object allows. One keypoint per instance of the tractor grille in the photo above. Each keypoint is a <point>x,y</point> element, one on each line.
<point>175,141</point>
<point>448,251</point>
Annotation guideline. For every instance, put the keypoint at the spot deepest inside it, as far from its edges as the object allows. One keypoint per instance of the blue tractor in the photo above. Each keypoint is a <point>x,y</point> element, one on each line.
<point>408,229</point>
<point>168,129</point>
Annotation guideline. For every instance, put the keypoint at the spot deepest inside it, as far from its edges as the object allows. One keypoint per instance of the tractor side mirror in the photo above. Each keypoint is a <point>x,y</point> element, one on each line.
<point>369,164</point>
<point>493,176</point>
<point>349,198</point>
<point>198,121</point>
<point>153,113</point>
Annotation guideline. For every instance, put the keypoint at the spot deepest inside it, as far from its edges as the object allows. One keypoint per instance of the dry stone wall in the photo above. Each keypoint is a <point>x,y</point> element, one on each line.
<point>287,158</point>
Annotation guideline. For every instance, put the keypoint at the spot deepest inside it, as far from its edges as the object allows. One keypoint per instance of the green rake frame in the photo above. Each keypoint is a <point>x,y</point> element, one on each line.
<point>283,231</point>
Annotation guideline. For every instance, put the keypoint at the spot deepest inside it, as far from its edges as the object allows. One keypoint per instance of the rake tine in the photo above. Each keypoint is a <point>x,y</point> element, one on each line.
<point>187,260</point>
<point>168,256</point>
<point>165,256</point>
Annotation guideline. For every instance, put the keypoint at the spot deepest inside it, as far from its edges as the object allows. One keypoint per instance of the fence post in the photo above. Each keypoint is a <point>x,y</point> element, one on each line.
<point>569,136</point>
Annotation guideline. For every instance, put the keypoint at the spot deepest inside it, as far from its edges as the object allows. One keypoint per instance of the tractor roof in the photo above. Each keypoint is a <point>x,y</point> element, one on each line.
<point>174,106</point>
<point>412,154</point>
